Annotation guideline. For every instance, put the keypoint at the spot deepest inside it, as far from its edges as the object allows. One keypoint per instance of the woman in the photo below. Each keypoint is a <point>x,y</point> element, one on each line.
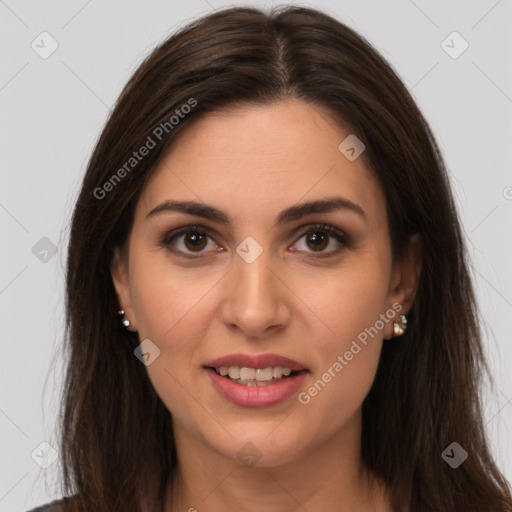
<point>268,212</point>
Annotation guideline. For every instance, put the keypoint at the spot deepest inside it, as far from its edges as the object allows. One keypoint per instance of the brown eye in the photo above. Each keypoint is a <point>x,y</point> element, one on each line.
<point>194,241</point>
<point>187,241</point>
<point>318,238</point>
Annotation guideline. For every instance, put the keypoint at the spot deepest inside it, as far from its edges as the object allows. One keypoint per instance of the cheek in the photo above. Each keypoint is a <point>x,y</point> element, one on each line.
<point>348,304</point>
<point>172,312</point>
<point>334,396</point>
<point>351,306</point>
<point>347,361</point>
<point>169,302</point>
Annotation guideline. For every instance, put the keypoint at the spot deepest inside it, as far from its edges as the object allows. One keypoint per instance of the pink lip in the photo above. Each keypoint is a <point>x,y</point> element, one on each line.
<point>256,396</point>
<point>261,361</point>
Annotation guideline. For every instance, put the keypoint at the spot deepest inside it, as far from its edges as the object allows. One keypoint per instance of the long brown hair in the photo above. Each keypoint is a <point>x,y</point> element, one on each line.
<point>117,449</point>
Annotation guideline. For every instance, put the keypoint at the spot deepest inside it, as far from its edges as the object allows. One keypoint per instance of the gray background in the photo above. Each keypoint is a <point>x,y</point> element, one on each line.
<point>52,111</point>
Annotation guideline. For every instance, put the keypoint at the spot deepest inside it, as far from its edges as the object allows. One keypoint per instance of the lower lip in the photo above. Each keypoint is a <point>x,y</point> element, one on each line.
<point>256,396</point>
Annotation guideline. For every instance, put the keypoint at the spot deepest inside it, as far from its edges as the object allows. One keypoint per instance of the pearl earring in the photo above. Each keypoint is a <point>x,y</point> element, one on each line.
<point>399,328</point>
<point>125,322</point>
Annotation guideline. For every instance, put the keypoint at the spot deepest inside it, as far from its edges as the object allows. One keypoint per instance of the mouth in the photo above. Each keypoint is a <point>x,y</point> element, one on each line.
<point>255,376</point>
<point>256,381</point>
<point>253,392</point>
<point>256,370</point>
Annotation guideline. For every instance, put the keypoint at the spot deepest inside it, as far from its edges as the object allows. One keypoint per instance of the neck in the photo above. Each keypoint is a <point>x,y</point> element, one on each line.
<point>329,476</point>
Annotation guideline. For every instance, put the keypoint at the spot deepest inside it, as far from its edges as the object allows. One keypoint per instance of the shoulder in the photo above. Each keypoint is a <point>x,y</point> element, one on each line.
<point>54,506</point>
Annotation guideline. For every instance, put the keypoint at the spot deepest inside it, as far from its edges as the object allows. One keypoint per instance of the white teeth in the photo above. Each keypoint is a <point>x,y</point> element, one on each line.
<point>264,373</point>
<point>247,373</point>
<point>253,376</point>
<point>234,372</point>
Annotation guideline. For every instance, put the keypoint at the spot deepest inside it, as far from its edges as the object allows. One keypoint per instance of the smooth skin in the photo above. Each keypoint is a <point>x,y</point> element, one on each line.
<point>252,162</point>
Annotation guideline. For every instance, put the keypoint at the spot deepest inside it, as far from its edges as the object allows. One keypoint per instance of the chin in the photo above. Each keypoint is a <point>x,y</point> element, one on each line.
<point>259,449</point>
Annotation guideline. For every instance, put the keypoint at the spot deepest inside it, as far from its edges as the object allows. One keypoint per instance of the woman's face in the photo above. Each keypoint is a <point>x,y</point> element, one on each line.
<point>263,283</point>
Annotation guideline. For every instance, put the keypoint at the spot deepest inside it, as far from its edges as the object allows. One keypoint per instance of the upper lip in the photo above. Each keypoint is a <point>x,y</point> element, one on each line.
<point>253,361</point>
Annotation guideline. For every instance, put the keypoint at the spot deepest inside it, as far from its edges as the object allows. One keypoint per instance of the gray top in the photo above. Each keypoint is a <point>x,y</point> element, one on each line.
<point>54,506</point>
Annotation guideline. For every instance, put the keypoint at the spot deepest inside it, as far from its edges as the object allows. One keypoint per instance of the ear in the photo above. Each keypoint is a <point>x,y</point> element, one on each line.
<point>404,280</point>
<point>120,278</point>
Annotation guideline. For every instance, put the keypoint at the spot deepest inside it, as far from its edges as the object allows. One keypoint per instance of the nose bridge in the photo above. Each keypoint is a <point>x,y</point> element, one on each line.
<point>255,278</point>
<point>254,300</point>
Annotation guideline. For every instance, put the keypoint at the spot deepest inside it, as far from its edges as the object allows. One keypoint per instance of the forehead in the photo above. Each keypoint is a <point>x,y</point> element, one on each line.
<point>255,159</point>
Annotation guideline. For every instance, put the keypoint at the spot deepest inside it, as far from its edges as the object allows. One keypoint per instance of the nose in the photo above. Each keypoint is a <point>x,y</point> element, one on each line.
<point>256,301</point>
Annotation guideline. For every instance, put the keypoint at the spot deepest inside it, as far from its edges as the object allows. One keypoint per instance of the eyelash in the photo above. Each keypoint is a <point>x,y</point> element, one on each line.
<point>333,232</point>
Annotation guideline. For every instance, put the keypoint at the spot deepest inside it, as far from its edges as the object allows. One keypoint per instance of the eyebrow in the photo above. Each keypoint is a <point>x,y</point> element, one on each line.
<point>288,215</point>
